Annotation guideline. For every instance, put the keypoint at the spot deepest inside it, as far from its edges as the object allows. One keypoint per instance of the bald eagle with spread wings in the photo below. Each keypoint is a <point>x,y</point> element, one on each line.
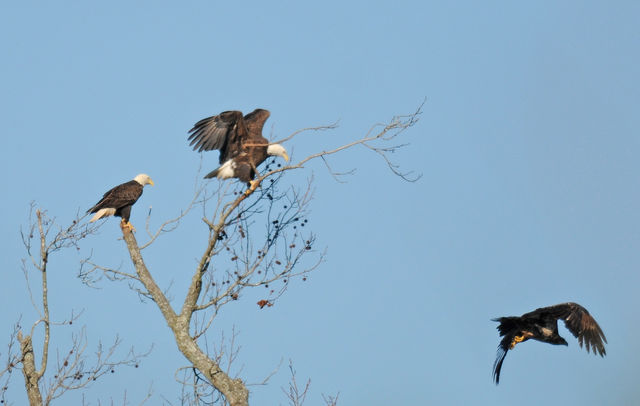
<point>542,325</point>
<point>240,141</point>
<point>119,200</point>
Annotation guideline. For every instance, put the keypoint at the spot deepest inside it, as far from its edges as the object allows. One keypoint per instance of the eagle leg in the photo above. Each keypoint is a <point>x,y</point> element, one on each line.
<point>516,340</point>
<point>126,224</point>
<point>253,185</point>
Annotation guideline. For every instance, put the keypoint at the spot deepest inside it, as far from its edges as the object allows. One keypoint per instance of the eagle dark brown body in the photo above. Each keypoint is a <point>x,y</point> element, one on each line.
<point>542,325</point>
<point>119,200</point>
<point>240,141</point>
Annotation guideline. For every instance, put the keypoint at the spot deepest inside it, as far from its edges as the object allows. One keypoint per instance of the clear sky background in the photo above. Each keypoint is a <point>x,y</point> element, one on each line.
<point>528,146</point>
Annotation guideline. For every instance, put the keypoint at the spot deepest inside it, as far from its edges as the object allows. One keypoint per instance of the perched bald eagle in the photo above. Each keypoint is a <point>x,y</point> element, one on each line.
<point>240,141</point>
<point>118,201</point>
<point>542,325</point>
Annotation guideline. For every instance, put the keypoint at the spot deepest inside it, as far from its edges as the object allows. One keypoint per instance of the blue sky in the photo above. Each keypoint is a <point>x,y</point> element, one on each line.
<point>528,145</point>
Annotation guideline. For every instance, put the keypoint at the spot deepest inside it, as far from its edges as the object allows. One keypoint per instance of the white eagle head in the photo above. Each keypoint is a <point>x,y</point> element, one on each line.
<point>143,179</point>
<point>277,150</point>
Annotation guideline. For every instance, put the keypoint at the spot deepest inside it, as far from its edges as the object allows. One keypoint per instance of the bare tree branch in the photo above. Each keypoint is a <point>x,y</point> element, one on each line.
<point>330,400</point>
<point>71,370</point>
<point>296,395</point>
<point>319,128</point>
<point>258,237</point>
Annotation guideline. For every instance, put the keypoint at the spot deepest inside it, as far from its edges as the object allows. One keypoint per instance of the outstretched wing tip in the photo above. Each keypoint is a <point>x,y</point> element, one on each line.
<point>584,327</point>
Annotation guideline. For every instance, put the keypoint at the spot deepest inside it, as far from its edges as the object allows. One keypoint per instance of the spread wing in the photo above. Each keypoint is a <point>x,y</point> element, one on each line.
<point>223,132</point>
<point>255,123</point>
<point>581,324</point>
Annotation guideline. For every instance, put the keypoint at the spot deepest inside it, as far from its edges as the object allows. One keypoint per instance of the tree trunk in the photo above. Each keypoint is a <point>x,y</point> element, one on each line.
<point>234,390</point>
<point>31,377</point>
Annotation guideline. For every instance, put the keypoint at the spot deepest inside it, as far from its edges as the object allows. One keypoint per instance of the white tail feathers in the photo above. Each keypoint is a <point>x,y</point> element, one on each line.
<point>225,171</point>
<point>102,213</point>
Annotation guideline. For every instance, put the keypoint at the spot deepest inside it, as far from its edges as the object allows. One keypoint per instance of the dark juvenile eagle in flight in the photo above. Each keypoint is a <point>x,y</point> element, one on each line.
<point>118,201</point>
<point>542,325</point>
<point>240,141</point>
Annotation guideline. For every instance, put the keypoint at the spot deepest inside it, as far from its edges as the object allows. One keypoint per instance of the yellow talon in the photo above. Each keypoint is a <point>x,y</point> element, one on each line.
<point>125,224</point>
<point>253,185</point>
<point>516,340</point>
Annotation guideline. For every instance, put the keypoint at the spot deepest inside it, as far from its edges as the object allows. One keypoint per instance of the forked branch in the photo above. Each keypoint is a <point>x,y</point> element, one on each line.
<point>258,238</point>
<point>71,371</point>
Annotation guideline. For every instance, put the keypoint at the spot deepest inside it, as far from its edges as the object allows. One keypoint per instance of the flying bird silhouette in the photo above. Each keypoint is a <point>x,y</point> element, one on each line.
<point>542,325</point>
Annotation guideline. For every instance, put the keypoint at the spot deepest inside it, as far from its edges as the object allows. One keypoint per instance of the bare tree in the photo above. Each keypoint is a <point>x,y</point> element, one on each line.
<point>298,395</point>
<point>73,368</point>
<point>255,238</point>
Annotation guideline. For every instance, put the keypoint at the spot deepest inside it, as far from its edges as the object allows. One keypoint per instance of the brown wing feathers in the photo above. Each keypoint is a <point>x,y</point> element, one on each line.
<point>576,318</point>
<point>584,327</point>
<point>218,132</point>
<point>119,196</point>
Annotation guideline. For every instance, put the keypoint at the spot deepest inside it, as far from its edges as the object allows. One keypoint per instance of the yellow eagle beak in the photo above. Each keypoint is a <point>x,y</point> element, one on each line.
<point>151,182</point>
<point>285,156</point>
